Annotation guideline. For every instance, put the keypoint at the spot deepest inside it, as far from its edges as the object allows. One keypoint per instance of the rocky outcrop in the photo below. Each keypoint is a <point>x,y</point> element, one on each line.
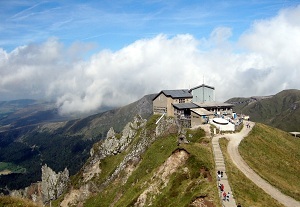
<point>50,188</point>
<point>33,192</point>
<point>53,185</point>
<point>167,125</point>
<point>112,145</point>
<point>182,139</point>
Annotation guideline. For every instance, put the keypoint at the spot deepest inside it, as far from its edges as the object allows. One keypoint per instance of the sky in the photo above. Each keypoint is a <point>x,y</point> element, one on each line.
<point>88,54</point>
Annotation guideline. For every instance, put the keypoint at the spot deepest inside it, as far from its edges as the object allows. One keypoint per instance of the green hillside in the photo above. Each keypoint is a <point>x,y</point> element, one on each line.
<point>156,176</point>
<point>271,152</point>
<point>275,156</point>
<point>281,111</point>
<point>6,201</point>
<point>244,190</point>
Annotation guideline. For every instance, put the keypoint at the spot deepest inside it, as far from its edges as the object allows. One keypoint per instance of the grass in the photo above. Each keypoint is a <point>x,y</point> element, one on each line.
<point>266,150</point>
<point>184,185</point>
<point>244,190</point>
<point>108,166</point>
<point>8,201</point>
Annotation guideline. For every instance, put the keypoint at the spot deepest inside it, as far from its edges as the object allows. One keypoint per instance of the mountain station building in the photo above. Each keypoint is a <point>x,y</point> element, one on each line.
<point>196,105</point>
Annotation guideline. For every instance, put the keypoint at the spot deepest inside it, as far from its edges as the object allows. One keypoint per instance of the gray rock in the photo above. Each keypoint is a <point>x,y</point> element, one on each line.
<point>53,184</point>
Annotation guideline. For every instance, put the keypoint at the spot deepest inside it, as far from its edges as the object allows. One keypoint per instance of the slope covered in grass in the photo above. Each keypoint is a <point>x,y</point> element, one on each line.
<point>275,156</point>
<point>152,184</point>
<point>244,190</point>
<point>7,201</point>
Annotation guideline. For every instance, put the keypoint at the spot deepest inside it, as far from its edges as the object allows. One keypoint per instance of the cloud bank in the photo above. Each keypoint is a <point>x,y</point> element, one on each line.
<point>264,61</point>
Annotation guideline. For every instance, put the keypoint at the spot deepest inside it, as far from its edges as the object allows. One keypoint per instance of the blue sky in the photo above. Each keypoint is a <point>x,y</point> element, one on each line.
<point>115,24</point>
<point>87,54</point>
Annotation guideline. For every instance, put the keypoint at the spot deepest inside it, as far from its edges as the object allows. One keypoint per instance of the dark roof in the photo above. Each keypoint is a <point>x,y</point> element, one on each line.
<point>182,93</point>
<point>185,106</point>
<point>202,85</point>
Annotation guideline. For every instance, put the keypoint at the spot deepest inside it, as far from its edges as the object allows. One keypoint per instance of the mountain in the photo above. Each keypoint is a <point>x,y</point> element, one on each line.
<point>162,164</point>
<point>29,138</point>
<point>281,111</point>
<point>139,162</point>
<point>145,164</point>
<point>20,113</point>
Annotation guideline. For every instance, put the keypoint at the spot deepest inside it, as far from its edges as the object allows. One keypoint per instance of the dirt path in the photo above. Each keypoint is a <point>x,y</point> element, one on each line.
<point>232,149</point>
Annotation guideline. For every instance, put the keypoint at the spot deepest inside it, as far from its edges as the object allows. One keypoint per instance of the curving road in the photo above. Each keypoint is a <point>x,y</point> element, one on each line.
<point>234,141</point>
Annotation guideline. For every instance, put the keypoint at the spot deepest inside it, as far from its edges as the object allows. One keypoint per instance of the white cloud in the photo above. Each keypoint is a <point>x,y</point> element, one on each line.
<point>277,42</point>
<point>264,61</point>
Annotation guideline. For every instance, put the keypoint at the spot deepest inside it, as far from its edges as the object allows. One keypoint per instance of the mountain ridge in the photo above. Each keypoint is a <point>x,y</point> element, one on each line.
<point>281,110</point>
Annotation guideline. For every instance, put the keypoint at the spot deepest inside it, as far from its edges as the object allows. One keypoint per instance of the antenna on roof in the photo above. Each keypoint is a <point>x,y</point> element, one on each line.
<point>203,89</point>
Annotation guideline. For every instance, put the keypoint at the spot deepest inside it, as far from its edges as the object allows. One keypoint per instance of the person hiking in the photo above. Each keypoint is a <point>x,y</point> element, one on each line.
<point>228,196</point>
<point>224,196</point>
<point>222,187</point>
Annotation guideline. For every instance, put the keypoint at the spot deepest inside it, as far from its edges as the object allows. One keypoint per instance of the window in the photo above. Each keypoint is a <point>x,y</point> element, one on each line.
<point>181,100</point>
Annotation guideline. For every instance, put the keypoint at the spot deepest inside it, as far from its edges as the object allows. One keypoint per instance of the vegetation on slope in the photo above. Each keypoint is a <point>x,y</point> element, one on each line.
<point>244,190</point>
<point>191,181</point>
<point>275,156</point>
<point>8,201</point>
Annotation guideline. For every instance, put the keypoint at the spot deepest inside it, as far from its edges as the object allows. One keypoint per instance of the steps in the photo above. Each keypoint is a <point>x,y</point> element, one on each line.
<point>220,166</point>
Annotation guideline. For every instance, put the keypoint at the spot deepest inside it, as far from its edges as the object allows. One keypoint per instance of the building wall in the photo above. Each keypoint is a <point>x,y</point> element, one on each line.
<point>160,104</point>
<point>163,104</point>
<point>170,108</point>
<point>196,119</point>
<point>203,94</point>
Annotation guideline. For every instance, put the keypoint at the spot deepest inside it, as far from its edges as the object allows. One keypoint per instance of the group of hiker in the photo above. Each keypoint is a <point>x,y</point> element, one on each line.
<point>225,196</point>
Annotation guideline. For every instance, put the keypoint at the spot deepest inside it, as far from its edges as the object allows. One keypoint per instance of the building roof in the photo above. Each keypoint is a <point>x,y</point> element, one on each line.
<point>182,93</point>
<point>202,111</point>
<point>213,104</point>
<point>185,106</point>
<point>200,86</point>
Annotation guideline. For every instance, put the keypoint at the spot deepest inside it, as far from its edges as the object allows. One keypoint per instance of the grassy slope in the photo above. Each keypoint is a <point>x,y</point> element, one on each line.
<point>275,156</point>
<point>244,190</point>
<point>7,201</point>
<point>182,188</point>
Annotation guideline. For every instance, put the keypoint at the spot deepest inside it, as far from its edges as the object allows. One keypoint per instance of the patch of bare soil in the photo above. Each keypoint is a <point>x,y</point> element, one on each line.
<point>76,196</point>
<point>206,174</point>
<point>202,202</point>
<point>92,171</point>
<point>160,178</point>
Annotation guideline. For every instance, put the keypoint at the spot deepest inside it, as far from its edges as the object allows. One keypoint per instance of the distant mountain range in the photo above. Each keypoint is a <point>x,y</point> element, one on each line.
<point>281,111</point>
